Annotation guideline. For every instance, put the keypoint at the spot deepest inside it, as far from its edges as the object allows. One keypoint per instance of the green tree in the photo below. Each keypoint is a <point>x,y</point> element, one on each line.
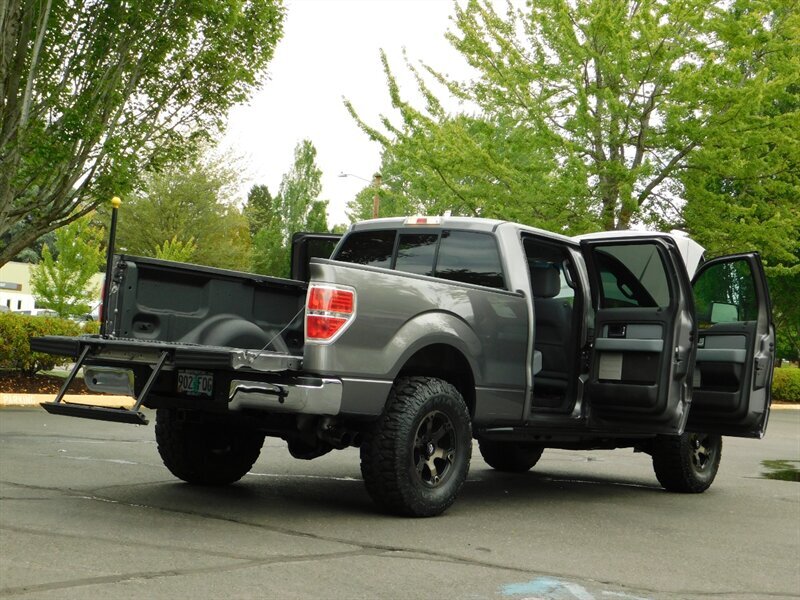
<point>176,250</point>
<point>392,203</point>
<point>297,207</point>
<point>742,186</point>
<point>270,255</point>
<point>580,115</point>
<point>33,253</point>
<point>96,94</point>
<point>191,205</point>
<point>63,284</point>
<point>259,209</point>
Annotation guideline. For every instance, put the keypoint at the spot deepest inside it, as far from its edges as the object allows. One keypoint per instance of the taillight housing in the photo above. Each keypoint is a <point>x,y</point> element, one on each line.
<point>329,310</point>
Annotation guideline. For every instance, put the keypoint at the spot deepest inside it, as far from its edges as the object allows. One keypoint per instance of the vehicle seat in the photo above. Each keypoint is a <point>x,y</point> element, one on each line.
<point>553,334</point>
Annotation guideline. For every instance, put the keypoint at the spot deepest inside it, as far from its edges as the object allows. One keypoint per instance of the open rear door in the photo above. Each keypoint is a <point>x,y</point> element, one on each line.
<point>306,246</point>
<point>644,326</point>
<point>735,348</point>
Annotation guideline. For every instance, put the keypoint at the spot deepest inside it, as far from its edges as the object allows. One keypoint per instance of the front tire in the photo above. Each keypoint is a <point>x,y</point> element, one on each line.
<point>416,458</point>
<point>510,457</point>
<point>687,463</point>
<point>205,453</point>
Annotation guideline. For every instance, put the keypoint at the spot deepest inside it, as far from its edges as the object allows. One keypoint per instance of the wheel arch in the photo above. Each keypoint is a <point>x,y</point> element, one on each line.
<point>445,362</point>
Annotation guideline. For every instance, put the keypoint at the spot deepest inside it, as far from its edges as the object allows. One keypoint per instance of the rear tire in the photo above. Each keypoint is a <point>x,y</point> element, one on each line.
<point>416,458</point>
<point>205,453</point>
<point>510,457</point>
<point>687,463</point>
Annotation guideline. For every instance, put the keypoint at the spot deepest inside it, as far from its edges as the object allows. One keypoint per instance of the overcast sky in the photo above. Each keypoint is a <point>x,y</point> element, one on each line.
<point>330,50</point>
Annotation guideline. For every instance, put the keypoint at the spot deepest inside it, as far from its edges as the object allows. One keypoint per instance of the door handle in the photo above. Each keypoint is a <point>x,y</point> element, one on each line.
<point>617,331</point>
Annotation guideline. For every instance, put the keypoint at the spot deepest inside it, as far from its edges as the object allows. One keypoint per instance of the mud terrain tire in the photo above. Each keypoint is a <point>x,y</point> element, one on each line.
<point>687,463</point>
<point>416,457</point>
<point>510,457</point>
<point>205,453</point>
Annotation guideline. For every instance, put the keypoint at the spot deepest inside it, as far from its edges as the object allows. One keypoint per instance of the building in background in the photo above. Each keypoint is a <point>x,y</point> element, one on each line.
<point>15,287</point>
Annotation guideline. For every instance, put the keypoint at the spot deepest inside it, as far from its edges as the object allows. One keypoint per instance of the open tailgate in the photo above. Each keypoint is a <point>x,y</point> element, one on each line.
<point>159,355</point>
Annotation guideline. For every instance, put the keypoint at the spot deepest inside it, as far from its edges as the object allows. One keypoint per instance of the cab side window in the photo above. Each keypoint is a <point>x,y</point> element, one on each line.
<point>725,293</point>
<point>470,257</point>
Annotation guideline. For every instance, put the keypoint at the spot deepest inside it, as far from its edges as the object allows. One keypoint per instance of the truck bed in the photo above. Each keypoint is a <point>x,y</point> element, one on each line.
<point>163,301</point>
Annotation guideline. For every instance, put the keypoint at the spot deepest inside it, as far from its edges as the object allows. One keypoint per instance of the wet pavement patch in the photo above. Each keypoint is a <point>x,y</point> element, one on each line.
<point>785,470</point>
<point>550,588</point>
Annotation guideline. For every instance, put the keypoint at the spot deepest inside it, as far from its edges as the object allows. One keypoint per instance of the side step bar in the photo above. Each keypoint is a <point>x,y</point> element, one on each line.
<point>101,413</point>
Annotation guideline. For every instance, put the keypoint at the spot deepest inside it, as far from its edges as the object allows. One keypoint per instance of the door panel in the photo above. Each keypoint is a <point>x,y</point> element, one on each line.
<point>628,359</point>
<point>733,367</point>
<point>306,246</point>
<point>643,328</point>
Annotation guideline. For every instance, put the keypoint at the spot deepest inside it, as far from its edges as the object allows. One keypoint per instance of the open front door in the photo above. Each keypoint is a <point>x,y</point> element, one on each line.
<point>642,335</point>
<point>735,348</point>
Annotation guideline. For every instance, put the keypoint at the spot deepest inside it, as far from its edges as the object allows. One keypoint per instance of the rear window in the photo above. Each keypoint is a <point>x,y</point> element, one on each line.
<point>373,248</point>
<point>416,252</point>
<point>464,256</point>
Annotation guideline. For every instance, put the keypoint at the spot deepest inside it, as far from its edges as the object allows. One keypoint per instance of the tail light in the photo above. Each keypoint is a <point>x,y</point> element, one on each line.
<point>329,310</point>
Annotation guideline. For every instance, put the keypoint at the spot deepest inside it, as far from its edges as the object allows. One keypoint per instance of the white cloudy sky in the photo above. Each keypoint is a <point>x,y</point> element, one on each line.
<point>330,50</point>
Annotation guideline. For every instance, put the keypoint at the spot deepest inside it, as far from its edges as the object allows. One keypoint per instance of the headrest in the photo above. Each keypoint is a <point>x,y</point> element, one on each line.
<point>546,280</point>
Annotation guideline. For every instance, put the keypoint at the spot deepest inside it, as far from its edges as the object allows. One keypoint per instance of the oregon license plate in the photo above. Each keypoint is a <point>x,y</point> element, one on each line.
<point>195,383</point>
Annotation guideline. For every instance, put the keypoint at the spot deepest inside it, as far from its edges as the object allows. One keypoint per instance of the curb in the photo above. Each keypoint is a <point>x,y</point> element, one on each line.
<point>22,400</point>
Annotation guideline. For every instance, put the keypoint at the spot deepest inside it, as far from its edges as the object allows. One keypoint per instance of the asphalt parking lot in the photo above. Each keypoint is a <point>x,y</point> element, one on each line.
<point>88,511</point>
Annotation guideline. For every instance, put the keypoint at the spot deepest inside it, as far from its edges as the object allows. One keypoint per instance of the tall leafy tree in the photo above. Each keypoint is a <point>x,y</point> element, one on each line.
<point>260,208</point>
<point>296,207</point>
<point>187,207</point>
<point>580,115</point>
<point>95,94</point>
<point>743,186</point>
<point>63,284</point>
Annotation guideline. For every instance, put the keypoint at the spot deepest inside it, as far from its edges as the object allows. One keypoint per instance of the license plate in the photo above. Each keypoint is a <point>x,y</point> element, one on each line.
<point>195,383</point>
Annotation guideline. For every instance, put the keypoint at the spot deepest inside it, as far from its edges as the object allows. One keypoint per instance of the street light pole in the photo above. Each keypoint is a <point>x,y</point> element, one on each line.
<point>376,183</point>
<point>376,199</point>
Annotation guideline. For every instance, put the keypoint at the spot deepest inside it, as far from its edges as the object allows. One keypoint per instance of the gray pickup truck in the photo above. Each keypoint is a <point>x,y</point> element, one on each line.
<point>420,334</point>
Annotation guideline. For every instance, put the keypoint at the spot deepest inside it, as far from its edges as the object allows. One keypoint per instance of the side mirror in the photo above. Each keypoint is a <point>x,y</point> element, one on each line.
<point>722,312</point>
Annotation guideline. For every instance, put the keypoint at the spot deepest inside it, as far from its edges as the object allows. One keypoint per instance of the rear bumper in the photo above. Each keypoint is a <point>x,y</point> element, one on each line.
<point>306,395</point>
<point>109,367</point>
<point>312,396</point>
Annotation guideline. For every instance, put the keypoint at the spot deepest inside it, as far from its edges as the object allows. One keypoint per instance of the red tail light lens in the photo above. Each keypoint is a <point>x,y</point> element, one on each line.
<point>329,309</point>
<point>323,328</point>
<point>331,299</point>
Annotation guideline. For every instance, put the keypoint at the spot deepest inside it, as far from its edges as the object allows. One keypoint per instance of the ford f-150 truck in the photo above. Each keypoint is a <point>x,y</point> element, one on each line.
<point>420,334</point>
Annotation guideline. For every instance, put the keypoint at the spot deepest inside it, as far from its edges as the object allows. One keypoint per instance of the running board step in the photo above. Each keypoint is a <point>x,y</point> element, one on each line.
<point>99,413</point>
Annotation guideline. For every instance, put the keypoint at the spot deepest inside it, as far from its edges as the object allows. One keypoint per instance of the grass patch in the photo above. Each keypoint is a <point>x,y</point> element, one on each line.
<point>784,470</point>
